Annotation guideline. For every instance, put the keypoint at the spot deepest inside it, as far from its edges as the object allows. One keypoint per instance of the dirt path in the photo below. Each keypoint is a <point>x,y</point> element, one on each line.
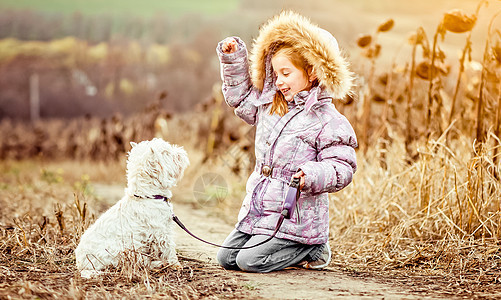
<point>289,284</point>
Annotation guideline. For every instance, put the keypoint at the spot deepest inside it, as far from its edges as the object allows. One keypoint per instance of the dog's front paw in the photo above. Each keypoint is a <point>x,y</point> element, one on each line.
<point>88,274</point>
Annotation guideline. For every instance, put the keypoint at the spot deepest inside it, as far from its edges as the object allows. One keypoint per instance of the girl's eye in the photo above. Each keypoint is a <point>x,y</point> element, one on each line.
<point>285,74</point>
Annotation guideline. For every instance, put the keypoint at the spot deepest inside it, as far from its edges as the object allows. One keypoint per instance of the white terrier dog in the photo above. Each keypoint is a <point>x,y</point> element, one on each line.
<point>141,222</point>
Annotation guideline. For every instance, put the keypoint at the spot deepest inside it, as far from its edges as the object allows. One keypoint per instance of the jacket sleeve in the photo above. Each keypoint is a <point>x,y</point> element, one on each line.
<point>336,158</point>
<point>237,87</point>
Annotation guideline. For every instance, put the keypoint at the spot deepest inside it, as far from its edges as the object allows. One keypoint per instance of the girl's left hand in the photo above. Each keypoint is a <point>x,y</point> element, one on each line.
<point>300,175</point>
<point>229,45</point>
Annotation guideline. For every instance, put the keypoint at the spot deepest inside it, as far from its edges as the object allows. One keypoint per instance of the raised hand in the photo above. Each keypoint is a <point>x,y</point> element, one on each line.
<point>229,45</point>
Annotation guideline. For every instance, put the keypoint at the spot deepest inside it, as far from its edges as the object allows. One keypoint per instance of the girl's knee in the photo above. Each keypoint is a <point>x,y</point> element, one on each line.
<point>224,258</point>
<point>247,261</point>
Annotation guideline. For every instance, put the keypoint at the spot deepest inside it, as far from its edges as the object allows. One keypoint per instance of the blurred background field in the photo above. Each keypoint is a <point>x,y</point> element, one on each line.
<point>146,9</point>
<point>119,57</point>
<point>79,80</point>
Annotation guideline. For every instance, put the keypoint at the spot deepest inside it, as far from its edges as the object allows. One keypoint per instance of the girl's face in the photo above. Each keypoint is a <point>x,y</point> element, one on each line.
<point>290,79</point>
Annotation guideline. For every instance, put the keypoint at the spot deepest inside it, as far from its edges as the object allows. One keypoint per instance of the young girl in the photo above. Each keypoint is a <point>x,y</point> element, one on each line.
<point>297,72</point>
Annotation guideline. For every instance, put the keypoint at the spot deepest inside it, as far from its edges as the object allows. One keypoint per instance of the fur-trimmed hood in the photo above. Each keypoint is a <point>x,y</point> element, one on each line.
<point>318,47</point>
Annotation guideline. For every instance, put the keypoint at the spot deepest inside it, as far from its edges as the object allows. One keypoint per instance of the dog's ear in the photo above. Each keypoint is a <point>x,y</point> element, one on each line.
<point>132,144</point>
<point>178,160</point>
<point>181,161</point>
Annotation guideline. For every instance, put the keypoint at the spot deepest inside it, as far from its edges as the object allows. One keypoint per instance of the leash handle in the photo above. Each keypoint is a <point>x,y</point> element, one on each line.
<point>290,200</point>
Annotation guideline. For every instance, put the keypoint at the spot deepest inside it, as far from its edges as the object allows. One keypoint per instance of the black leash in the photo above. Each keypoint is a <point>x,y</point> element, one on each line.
<point>290,202</point>
<point>279,223</point>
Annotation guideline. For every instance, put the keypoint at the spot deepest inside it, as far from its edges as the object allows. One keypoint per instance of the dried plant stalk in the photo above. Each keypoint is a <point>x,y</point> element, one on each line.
<point>372,53</point>
<point>497,133</point>
<point>409,102</point>
<point>480,109</point>
<point>367,106</point>
<point>60,218</point>
<point>497,126</point>
<point>385,121</point>
<point>466,49</point>
<point>456,21</point>
<point>497,52</point>
<point>431,75</point>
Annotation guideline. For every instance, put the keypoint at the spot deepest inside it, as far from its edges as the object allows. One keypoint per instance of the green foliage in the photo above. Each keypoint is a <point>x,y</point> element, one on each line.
<point>251,285</point>
<point>51,176</point>
<point>145,8</point>
<point>84,185</point>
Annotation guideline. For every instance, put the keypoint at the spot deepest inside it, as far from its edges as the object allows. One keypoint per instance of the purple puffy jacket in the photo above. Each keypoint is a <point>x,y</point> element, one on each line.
<point>313,136</point>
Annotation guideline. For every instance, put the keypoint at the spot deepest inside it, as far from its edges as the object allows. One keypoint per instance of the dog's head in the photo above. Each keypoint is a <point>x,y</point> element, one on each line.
<point>153,167</point>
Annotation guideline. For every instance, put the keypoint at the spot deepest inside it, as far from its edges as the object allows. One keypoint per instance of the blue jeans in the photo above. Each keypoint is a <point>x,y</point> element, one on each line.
<point>274,255</point>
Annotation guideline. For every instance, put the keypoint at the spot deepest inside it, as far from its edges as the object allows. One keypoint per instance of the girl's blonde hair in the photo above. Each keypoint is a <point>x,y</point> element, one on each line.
<point>279,105</point>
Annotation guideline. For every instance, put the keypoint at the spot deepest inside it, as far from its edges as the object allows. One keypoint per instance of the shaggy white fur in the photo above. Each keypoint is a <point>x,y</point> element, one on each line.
<point>138,223</point>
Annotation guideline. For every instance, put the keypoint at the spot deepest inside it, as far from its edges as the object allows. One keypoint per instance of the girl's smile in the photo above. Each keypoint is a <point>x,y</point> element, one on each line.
<point>290,79</point>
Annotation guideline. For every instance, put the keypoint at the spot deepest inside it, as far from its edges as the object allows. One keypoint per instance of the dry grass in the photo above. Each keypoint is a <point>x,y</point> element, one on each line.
<point>437,216</point>
<point>424,203</point>
<point>45,209</point>
<point>425,199</point>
